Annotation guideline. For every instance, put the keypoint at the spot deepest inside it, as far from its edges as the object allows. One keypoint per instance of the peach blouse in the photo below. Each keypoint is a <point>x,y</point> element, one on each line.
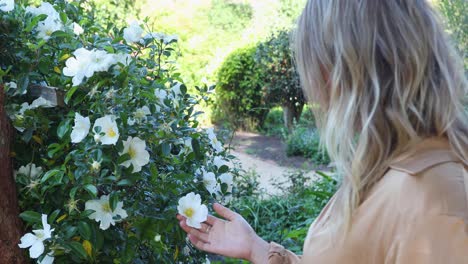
<point>417,214</point>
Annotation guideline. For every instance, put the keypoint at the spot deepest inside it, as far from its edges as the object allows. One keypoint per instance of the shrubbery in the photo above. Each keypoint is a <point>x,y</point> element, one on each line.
<point>107,138</point>
<point>305,141</point>
<point>282,86</point>
<point>239,96</point>
<point>286,218</point>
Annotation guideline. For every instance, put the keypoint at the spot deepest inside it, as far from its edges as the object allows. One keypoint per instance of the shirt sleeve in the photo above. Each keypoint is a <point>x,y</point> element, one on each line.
<point>277,254</point>
<point>431,240</point>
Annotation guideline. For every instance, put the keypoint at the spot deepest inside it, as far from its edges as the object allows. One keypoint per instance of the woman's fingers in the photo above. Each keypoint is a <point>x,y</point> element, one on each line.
<point>224,212</point>
<point>195,232</point>
<point>211,220</point>
<point>198,243</point>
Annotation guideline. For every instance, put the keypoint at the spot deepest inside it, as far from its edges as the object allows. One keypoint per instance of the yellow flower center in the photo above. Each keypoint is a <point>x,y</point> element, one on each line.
<point>49,32</point>
<point>39,235</point>
<point>106,208</point>
<point>189,212</point>
<point>111,132</point>
<point>131,152</point>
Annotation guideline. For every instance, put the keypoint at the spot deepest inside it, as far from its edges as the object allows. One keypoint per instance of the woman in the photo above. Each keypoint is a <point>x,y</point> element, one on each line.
<point>391,91</point>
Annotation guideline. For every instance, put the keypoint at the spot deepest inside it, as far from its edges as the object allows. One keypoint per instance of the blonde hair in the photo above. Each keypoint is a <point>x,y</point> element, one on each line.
<point>385,76</point>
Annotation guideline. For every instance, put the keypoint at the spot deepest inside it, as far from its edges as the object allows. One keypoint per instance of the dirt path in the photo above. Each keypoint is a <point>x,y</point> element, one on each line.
<point>267,156</point>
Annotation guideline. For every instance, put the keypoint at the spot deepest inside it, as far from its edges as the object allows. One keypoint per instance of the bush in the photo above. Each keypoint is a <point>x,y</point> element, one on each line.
<point>274,58</point>
<point>306,142</point>
<point>239,97</point>
<point>109,191</point>
<point>274,122</point>
<point>286,218</point>
<point>456,17</point>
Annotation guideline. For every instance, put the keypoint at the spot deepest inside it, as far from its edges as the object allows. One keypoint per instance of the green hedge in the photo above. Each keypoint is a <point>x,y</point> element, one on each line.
<point>239,99</point>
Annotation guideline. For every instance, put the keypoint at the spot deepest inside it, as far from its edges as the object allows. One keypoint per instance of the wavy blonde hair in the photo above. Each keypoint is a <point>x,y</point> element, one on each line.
<point>385,77</point>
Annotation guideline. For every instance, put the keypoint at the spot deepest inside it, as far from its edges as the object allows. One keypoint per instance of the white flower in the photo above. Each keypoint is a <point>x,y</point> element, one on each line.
<point>210,182</point>
<point>123,58</point>
<point>227,179</point>
<point>24,107</point>
<point>36,241</point>
<point>101,60</point>
<point>142,112</point>
<point>41,102</point>
<point>169,38</point>
<point>139,156</point>
<point>96,165</point>
<point>190,206</point>
<point>86,63</point>
<point>187,145</point>
<point>48,259</point>
<point>30,170</point>
<point>109,128</point>
<point>219,162</point>
<point>161,37</point>
<point>215,143</point>
<point>139,115</point>
<point>176,90</point>
<point>47,27</point>
<point>11,85</point>
<point>111,94</point>
<point>80,129</point>
<point>133,32</point>
<point>186,251</point>
<point>7,5</point>
<point>103,213</point>
<point>51,24</point>
<point>79,66</point>
<point>157,238</point>
<point>77,29</point>
<point>161,95</point>
<point>44,9</point>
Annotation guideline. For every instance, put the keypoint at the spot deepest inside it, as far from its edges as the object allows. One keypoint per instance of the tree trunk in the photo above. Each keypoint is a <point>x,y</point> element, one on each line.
<point>288,117</point>
<point>10,224</point>
<point>290,114</point>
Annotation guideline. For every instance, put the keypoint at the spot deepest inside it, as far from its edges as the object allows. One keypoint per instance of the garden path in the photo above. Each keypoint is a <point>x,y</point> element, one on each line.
<point>267,156</point>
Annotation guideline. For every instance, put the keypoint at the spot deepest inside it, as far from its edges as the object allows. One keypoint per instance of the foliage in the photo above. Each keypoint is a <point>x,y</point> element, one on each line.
<point>286,218</point>
<point>456,15</point>
<point>274,122</point>
<point>305,142</point>
<point>135,86</point>
<point>231,16</point>
<point>239,96</point>
<point>281,79</point>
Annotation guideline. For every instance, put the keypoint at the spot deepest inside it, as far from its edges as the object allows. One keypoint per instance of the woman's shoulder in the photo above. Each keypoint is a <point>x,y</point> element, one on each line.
<point>433,180</point>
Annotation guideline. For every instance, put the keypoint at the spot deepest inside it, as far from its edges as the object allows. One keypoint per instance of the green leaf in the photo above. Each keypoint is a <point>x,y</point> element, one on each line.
<point>197,149</point>
<point>53,149</point>
<point>70,94</point>
<point>53,215</point>
<point>125,182</point>
<point>63,128</point>
<point>78,249</point>
<point>85,230</point>
<point>91,190</point>
<point>166,148</point>
<point>31,217</point>
<point>73,192</point>
<point>50,174</point>
<point>223,169</point>
<point>113,200</point>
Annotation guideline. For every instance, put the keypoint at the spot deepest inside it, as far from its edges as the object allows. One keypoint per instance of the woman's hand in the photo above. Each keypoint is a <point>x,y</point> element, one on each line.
<point>232,237</point>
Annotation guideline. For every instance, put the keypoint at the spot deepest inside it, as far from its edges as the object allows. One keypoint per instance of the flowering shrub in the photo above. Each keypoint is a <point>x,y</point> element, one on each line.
<point>107,139</point>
